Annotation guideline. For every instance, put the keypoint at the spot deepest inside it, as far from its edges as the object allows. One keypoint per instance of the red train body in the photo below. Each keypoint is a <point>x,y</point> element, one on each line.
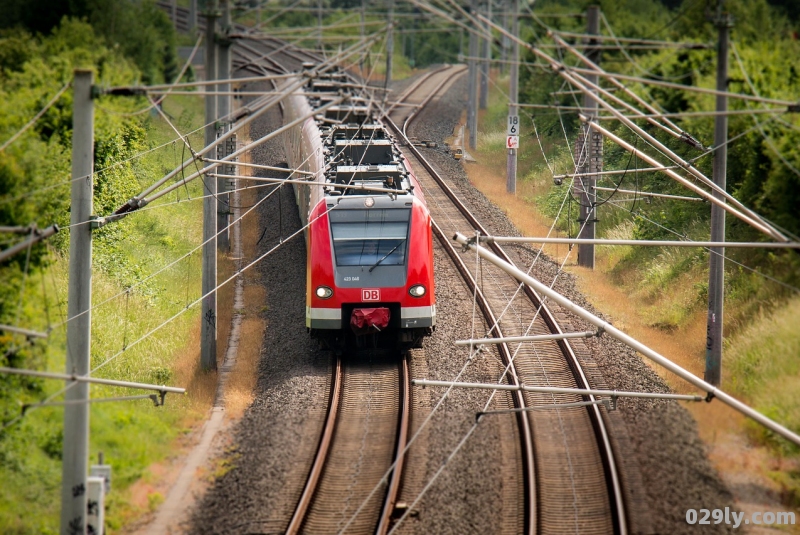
<point>369,277</point>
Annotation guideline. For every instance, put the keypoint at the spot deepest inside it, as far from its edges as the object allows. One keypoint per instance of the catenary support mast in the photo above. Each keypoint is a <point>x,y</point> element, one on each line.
<point>716,267</point>
<point>513,95</point>
<point>472,93</point>
<point>75,452</point>
<point>208,321</point>
<point>591,152</point>
<point>223,109</point>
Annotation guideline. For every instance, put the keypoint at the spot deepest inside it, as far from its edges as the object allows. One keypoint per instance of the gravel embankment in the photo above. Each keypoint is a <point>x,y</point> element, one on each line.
<point>261,474</point>
<point>668,454</point>
<point>273,439</point>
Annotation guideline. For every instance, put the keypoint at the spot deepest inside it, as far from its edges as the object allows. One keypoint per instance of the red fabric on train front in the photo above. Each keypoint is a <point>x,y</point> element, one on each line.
<point>362,320</point>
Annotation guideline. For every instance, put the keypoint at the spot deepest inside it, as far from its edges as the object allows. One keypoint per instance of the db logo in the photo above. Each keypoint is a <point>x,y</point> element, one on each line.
<point>370,295</point>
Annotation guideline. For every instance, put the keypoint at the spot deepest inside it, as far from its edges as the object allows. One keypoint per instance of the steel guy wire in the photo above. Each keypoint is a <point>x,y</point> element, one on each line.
<point>727,258</point>
<point>36,117</point>
<point>155,104</point>
<point>96,172</point>
<point>767,139</point>
<point>472,353</point>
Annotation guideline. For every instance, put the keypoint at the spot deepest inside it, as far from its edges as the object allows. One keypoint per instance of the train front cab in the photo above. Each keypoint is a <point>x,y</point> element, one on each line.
<point>367,256</point>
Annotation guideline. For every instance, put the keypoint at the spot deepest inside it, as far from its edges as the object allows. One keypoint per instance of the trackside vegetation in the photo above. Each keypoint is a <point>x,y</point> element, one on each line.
<point>132,294</point>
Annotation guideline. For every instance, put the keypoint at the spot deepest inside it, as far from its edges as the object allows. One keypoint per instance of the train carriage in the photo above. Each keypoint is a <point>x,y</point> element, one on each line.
<point>369,278</point>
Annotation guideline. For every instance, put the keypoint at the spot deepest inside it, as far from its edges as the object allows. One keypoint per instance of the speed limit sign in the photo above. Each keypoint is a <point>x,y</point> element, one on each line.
<point>513,125</point>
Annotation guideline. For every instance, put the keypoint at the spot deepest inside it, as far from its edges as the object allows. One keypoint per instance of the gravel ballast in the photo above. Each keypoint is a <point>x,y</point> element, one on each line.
<point>261,475</point>
<point>670,457</point>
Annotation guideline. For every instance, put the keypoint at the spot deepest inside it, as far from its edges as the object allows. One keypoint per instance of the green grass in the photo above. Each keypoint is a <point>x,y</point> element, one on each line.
<point>762,356</point>
<point>132,434</point>
<point>762,365</point>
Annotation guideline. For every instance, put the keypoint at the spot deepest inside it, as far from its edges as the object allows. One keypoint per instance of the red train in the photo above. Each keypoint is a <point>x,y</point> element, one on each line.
<point>368,241</point>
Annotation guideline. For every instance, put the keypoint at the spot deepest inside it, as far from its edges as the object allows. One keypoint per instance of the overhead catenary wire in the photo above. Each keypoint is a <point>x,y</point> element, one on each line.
<point>36,117</point>
<point>600,37</point>
<point>472,429</point>
<point>290,171</point>
<point>64,182</point>
<point>736,208</point>
<point>761,274</point>
<point>690,88</point>
<point>178,78</point>
<point>638,346</point>
<point>446,394</point>
<point>141,199</point>
<point>768,141</point>
<point>634,62</point>
<point>189,306</point>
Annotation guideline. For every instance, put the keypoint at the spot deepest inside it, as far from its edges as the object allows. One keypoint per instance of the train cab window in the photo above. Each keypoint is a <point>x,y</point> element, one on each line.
<point>366,237</point>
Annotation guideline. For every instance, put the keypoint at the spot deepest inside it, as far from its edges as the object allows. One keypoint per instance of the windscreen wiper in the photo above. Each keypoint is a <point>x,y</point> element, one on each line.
<point>386,255</point>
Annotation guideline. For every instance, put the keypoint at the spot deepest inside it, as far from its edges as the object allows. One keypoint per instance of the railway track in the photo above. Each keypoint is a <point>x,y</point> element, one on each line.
<point>572,483</point>
<point>251,53</point>
<point>364,438</point>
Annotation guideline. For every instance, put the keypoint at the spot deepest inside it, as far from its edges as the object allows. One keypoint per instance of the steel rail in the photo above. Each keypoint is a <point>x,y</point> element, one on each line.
<point>259,57</point>
<point>529,468</point>
<point>526,433</point>
<point>296,523</point>
<point>409,90</point>
<point>401,444</point>
<point>430,96</point>
<point>596,416</point>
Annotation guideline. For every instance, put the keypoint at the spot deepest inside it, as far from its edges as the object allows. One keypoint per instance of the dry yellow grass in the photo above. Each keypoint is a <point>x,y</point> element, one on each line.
<point>242,380</point>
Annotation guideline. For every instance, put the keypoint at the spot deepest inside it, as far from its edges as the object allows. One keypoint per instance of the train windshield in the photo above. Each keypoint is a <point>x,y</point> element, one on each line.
<point>364,237</point>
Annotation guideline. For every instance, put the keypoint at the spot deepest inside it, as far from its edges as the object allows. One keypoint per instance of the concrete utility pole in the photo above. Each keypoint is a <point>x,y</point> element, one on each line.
<point>592,150</point>
<point>361,33</point>
<point>208,321</point>
<point>75,452</point>
<point>192,16</point>
<point>319,24</point>
<point>472,105</point>
<point>223,109</point>
<point>504,39</point>
<point>716,267</point>
<point>486,54</point>
<point>389,46</point>
<point>513,96</point>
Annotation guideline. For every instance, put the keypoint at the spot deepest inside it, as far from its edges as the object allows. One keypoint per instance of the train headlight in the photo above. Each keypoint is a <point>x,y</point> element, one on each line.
<point>323,292</point>
<point>417,291</point>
